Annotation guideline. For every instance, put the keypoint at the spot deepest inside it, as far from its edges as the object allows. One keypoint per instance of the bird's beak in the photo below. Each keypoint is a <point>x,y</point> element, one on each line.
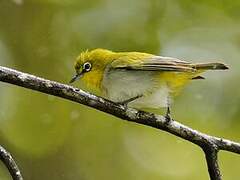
<point>76,77</point>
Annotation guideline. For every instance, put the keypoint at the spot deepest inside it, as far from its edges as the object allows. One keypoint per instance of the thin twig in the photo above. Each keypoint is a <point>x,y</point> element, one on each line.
<point>9,162</point>
<point>145,118</point>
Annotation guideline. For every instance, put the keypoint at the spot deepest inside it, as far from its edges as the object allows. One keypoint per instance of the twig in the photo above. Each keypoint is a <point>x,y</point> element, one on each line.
<point>210,144</point>
<point>9,162</point>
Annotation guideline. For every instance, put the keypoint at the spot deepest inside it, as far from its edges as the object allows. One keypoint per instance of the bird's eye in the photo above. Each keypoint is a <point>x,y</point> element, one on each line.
<point>87,66</point>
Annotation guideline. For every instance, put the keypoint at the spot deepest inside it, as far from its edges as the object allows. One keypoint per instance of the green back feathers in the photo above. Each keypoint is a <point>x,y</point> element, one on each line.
<point>100,58</point>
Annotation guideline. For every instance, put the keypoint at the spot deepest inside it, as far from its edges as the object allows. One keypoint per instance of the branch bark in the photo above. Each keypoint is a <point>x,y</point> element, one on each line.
<point>9,162</point>
<point>212,161</point>
<point>209,144</point>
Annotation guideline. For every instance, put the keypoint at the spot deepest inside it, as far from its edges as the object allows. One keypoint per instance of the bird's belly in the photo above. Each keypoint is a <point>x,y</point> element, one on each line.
<point>160,97</point>
<point>121,85</point>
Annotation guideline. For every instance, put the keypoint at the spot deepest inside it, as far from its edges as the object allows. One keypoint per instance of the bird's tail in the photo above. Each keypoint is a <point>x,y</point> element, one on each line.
<point>210,66</point>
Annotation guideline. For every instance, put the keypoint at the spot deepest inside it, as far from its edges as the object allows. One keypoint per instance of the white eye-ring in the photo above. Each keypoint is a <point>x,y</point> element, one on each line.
<point>87,66</point>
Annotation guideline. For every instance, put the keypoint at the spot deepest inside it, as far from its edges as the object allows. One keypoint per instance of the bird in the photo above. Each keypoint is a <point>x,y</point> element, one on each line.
<point>137,79</point>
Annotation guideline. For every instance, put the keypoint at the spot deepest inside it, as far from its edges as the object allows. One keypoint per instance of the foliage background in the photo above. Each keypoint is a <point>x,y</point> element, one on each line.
<point>55,139</point>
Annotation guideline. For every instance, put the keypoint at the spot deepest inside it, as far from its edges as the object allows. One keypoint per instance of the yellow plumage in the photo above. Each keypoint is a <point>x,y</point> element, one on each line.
<point>152,79</point>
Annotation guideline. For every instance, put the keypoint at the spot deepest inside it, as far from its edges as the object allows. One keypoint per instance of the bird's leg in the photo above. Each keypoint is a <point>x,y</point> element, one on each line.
<point>125,102</point>
<point>168,113</point>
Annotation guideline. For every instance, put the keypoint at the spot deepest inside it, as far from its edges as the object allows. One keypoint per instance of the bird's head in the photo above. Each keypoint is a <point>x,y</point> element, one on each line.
<point>90,66</point>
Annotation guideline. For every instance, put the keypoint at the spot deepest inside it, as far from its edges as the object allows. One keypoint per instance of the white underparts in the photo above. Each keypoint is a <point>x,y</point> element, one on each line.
<point>120,85</point>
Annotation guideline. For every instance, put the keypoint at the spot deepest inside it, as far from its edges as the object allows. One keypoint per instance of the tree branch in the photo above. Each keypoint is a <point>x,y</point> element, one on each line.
<point>212,161</point>
<point>210,144</point>
<point>9,162</point>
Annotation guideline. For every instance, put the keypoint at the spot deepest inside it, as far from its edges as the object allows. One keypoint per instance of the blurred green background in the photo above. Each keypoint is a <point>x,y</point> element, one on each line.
<point>55,139</point>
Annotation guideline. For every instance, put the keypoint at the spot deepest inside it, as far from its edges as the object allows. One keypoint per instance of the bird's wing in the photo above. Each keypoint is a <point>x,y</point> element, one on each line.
<point>154,63</point>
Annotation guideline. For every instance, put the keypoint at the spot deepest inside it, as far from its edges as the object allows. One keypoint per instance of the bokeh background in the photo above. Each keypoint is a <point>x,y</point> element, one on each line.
<point>55,139</point>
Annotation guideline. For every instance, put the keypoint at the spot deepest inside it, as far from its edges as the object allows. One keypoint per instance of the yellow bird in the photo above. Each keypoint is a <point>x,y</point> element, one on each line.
<point>137,79</point>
